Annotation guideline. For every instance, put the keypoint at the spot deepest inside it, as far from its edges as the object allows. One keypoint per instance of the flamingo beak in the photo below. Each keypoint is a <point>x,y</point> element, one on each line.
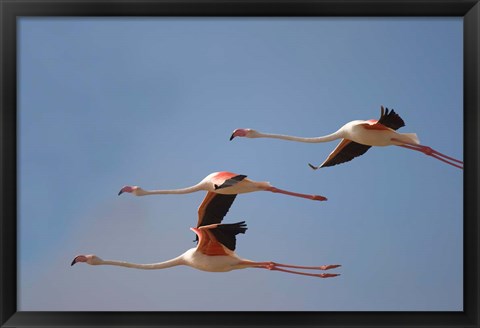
<point>240,133</point>
<point>127,189</point>
<point>80,258</point>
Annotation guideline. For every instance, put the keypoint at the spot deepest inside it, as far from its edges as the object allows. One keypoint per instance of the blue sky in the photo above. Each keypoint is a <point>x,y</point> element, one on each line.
<point>105,102</point>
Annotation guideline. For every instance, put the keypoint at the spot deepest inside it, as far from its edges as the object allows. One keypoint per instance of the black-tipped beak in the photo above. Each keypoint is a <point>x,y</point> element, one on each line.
<point>120,192</point>
<point>74,261</point>
<point>232,136</point>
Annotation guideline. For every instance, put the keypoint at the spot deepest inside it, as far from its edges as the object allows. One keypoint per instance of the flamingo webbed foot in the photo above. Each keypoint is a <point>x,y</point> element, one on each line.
<point>318,197</point>
<point>331,266</point>
<point>326,275</point>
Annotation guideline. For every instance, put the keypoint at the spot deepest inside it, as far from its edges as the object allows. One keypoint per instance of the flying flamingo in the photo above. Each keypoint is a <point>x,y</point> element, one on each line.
<point>358,136</point>
<point>215,247</point>
<point>225,183</point>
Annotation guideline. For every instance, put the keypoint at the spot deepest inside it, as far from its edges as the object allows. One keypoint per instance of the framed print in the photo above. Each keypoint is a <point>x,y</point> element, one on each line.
<point>287,163</point>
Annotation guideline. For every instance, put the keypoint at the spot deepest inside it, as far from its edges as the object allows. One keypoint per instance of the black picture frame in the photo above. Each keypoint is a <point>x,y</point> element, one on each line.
<point>11,10</point>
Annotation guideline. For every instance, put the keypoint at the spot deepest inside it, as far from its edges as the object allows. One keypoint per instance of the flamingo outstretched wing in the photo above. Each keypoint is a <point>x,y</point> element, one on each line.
<point>214,208</point>
<point>214,234</point>
<point>345,151</point>
<point>225,233</point>
<point>390,119</point>
<point>219,239</point>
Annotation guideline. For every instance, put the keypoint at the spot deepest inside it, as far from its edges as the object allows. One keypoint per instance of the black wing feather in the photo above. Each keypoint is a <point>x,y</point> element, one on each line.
<point>349,152</point>
<point>230,182</point>
<point>391,119</point>
<point>225,233</point>
<point>217,209</point>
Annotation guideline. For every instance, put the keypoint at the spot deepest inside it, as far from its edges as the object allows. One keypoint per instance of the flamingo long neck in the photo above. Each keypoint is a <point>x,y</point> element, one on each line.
<point>150,266</point>
<point>329,137</point>
<point>197,187</point>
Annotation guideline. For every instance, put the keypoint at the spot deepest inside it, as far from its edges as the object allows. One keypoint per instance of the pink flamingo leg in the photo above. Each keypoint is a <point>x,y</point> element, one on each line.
<point>319,275</point>
<point>281,191</point>
<point>321,267</point>
<point>277,267</point>
<point>432,152</point>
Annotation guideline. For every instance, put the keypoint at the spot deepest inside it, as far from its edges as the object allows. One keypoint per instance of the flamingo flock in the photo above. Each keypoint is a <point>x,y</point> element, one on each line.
<point>216,241</point>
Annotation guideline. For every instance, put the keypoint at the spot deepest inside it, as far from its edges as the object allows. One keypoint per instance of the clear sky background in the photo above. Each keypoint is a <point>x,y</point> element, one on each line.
<point>106,102</point>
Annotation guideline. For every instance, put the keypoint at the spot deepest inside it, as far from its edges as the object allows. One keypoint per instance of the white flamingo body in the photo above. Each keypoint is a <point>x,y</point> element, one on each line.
<point>213,180</point>
<point>358,136</point>
<point>220,263</point>
<point>357,131</point>
<point>225,183</point>
<point>215,248</point>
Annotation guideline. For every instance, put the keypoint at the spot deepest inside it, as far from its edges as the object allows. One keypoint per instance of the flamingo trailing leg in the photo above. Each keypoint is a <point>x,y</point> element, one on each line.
<point>432,152</point>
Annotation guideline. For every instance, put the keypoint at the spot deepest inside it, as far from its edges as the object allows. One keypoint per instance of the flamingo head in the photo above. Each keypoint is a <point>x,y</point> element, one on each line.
<point>247,133</point>
<point>130,189</point>
<point>89,259</point>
